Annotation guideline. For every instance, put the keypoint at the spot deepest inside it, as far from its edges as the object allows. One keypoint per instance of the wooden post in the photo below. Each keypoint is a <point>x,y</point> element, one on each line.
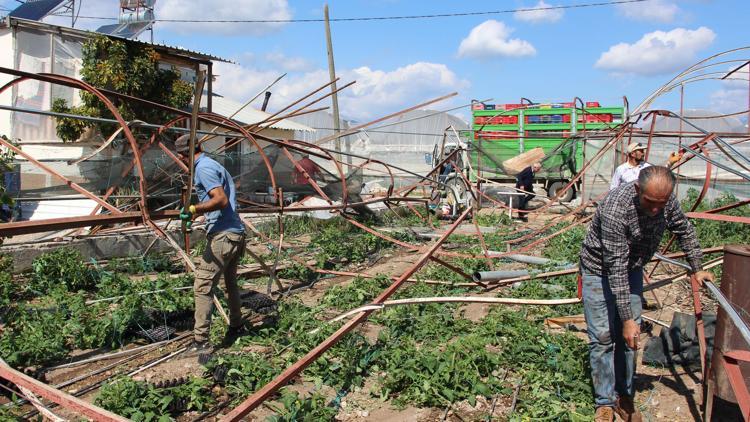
<point>334,96</point>
<point>200,78</point>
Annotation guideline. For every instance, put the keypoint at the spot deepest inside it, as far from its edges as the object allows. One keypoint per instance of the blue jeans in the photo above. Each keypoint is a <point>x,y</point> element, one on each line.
<point>612,361</point>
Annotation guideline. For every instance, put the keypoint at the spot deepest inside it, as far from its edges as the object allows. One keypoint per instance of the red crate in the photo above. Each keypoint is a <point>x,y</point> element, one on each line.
<point>479,120</point>
<point>569,105</point>
<point>566,118</point>
<point>477,106</point>
<point>513,106</point>
<point>592,104</point>
<point>499,134</point>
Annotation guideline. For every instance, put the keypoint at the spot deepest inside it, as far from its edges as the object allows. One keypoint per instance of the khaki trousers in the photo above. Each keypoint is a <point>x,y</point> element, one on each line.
<point>221,257</point>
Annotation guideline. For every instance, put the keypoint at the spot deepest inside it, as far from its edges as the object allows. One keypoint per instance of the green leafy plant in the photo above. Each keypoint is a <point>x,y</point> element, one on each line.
<point>243,373</point>
<point>312,408</point>
<point>61,267</point>
<point>9,289</point>
<point>358,292</point>
<point>32,337</point>
<point>128,68</point>
<point>566,247</point>
<point>135,400</point>
<point>339,245</point>
<point>494,219</point>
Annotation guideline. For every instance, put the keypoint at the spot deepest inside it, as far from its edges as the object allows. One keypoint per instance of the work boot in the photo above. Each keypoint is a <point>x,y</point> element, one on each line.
<point>604,414</point>
<point>627,410</point>
<point>233,333</point>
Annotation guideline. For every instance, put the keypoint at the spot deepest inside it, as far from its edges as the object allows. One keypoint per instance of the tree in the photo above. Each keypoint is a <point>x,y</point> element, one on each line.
<point>128,68</point>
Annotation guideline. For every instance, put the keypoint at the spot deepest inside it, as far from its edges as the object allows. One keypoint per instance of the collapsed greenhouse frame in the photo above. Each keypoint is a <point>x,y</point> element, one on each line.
<point>704,148</point>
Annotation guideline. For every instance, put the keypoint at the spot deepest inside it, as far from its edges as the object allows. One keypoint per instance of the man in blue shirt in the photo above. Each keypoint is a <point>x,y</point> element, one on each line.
<point>225,243</point>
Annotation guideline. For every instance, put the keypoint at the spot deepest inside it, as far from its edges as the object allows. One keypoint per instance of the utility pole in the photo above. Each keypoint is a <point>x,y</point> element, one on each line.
<point>332,74</point>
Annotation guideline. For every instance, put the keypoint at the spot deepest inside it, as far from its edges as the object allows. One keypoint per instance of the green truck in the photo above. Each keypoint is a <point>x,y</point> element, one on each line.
<point>502,131</point>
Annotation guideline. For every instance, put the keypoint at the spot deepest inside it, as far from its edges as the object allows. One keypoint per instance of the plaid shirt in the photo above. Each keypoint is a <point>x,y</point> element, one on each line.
<point>622,238</point>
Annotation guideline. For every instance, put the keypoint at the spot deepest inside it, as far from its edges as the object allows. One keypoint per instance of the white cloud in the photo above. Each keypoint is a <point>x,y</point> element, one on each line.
<point>657,52</point>
<point>539,16</point>
<point>732,97</point>
<point>491,39</point>
<point>287,63</point>
<point>376,93</point>
<point>222,10</point>
<point>654,11</point>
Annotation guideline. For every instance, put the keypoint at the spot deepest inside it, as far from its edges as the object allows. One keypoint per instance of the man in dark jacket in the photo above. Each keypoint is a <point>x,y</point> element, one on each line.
<point>525,182</point>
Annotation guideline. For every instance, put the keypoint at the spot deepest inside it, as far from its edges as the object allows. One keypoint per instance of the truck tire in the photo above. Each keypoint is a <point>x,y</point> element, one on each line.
<point>556,186</point>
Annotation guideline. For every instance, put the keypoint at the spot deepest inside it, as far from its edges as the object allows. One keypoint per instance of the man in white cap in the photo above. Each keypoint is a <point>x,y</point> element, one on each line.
<point>628,171</point>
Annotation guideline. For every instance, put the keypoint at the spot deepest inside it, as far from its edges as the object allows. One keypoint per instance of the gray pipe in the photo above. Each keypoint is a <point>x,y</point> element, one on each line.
<point>485,276</point>
<point>489,276</point>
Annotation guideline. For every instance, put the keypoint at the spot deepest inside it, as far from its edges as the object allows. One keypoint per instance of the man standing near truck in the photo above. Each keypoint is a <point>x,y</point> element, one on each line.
<point>525,182</point>
<point>623,236</point>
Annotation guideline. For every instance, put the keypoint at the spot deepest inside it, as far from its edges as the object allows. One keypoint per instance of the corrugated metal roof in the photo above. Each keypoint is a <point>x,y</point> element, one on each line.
<point>249,115</point>
<point>80,33</point>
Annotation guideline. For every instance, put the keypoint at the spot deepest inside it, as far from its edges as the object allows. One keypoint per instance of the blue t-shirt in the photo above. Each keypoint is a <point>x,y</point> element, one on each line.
<point>210,175</point>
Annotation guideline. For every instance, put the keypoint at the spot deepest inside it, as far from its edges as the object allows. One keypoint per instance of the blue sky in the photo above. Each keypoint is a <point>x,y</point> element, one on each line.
<point>596,53</point>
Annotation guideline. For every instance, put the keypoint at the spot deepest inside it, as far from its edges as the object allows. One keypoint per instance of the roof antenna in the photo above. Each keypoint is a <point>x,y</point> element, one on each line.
<point>265,101</point>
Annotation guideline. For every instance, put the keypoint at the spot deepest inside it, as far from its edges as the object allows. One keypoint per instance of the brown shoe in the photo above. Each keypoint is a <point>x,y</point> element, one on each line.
<point>627,410</point>
<point>604,414</point>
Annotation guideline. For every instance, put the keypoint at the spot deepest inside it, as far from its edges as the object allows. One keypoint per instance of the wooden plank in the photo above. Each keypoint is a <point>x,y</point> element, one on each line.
<point>62,398</point>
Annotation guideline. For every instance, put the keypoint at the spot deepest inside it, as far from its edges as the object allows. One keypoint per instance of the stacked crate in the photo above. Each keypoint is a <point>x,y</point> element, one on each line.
<point>502,129</point>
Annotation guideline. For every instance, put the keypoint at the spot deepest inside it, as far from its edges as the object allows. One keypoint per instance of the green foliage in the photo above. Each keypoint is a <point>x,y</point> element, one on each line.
<point>297,271</point>
<point>140,401</point>
<point>405,217</point>
<point>437,376</point>
<point>61,267</point>
<point>32,337</point>
<point>128,68</point>
<point>716,233</point>
<point>494,219</point>
<point>312,408</point>
<point>434,271</point>
<point>245,373</point>
<point>141,264</point>
<point>199,248</point>
<point>566,247</point>
<point>193,395</point>
<point>339,244</point>
<point>357,293</point>
<point>135,400</point>
<point>11,412</point>
<point>9,289</point>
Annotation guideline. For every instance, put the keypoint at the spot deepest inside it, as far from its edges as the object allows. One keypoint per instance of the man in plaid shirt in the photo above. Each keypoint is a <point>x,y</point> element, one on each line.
<point>623,236</point>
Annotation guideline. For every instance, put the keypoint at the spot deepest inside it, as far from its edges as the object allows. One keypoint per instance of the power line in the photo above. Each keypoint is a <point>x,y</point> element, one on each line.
<point>384,18</point>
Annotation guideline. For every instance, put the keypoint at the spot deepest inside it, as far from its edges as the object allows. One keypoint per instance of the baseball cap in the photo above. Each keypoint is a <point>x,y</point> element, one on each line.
<point>635,147</point>
<point>182,144</point>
